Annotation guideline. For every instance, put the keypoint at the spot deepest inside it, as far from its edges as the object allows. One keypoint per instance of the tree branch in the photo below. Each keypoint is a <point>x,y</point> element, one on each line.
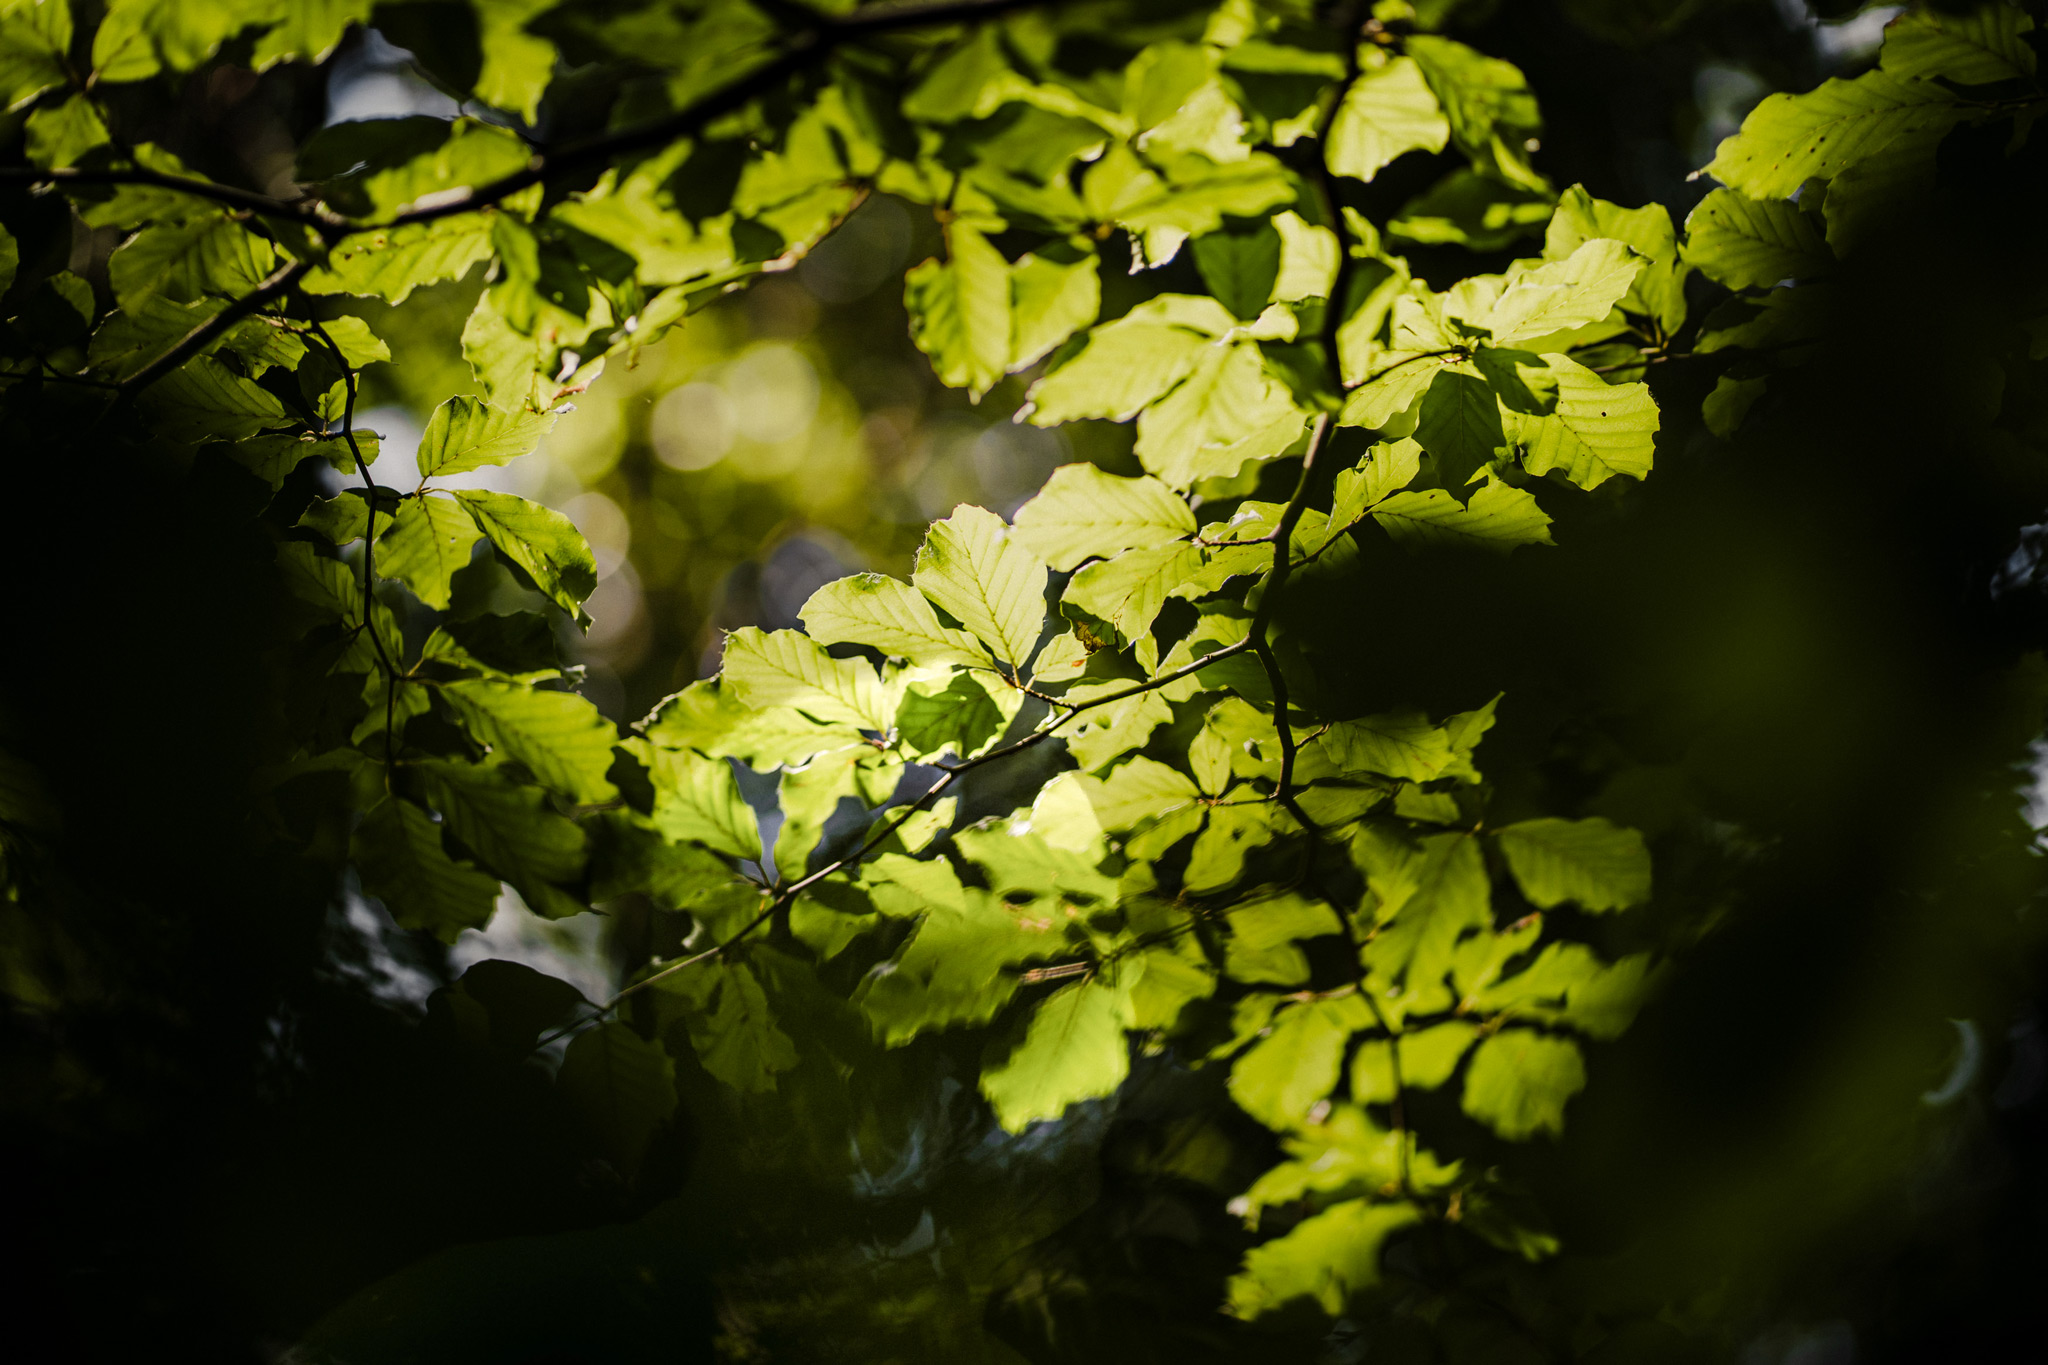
<point>804,47</point>
<point>226,195</point>
<point>202,336</point>
<point>931,794</point>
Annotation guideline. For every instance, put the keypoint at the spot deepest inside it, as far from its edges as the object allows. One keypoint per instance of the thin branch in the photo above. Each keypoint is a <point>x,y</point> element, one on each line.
<point>789,893</point>
<point>228,196</point>
<point>204,335</point>
<point>803,48</point>
<point>1647,360</point>
<point>348,434</point>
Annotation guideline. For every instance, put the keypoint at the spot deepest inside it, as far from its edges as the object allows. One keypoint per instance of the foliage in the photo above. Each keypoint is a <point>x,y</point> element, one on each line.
<point>1333,909</point>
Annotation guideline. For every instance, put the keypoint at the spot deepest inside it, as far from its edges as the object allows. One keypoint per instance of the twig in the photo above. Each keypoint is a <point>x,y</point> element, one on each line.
<point>202,336</point>
<point>803,48</point>
<point>931,794</point>
<point>249,201</point>
<point>348,434</point>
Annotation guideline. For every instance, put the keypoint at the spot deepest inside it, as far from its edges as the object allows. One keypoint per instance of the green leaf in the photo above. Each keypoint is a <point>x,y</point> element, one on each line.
<point>1401,744</point>
<point>1386,469</point>
<point>1583,288</point>
<point>59,135</point>
<point>711,718</point>
<point>732,1026</point>
<point>1491,109</point>
<point>622,1087</point>
<point>952,970</point>
<point>1074,1050</point>
<point>541,541</point>
<point>1386,112</point>
<point>1127,591</point>
<point>788,668</point>
<point>512,828</point>
<point>517,64</point>
<point>209,254</point>
<point>1790,139</point>
<point>1520,1081</point>
<point>970,565</point>
<point>471,153</point>
<point>1499,518</point>
<point>1327,1258</point>
<point>889,615</point>
<point>430,538</point>
<point>1263,934</point>
<point>1308,259</point>
<point>1240,268</point>
<point>1125,366</point>
<point>1745,243</point>
<point>1597,429</point>
<point>1050,300</point>
<point>389,263</point>
<point>1136,791</point>
<point>964,716</point>
<point>1730,402</point>
<point>341,518</point>
<point>467,433</point>
<point>397,851</point>
<point>35,40</point>
<point>1981,47</point>
<point>1391,390</point>
<point>1233,830</point>
<point>1015,862</point>
<point>1426,902</point>
<point>1347,1153</point>
<point>1298,1061</point>
<point>1599,865</point>
<point>1197,193</point>
<point>559,736</point>
<point>1083,513</point>
<point>273,458</point>
<point>1659,290</point>
<point>1460,424</point>
<point>310,31</point>
<point>1471,210</point>
<point>698,799</point>
<point>1428,1058</point>
<point>960,311</point>
<point>1227,411</point>
<point>202,400</point>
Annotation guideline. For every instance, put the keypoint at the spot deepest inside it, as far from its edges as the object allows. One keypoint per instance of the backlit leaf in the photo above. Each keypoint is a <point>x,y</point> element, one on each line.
<point>973,567</point>
<point>467,433</point>
<point>1074,1050</point>
<point>1789,139</point>
<point>788,668</point>
<point>559,736</point>
<point>1596,864</point>
<point>889,615</point>
<point>1083,513</point>
<point>1520,1081</point>
<point>539,540</point>
<point>1386,112</point>
<point>429,540</point>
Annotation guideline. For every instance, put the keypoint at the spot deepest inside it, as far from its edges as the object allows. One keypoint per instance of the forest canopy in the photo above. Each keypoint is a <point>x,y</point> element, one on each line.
<point>1462,788</point>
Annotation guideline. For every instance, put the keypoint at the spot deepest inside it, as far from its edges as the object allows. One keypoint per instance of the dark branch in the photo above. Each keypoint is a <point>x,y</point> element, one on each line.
<point>803,49</point>
<point>226,195</point>
<point>204,335</point>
